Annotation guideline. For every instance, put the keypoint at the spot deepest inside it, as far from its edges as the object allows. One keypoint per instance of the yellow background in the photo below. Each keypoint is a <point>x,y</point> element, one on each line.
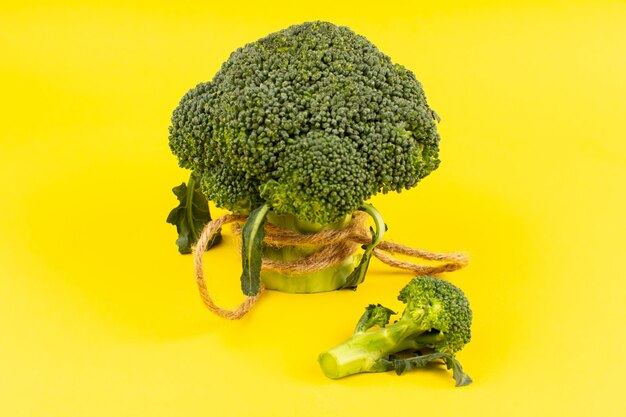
<point>99,315</point>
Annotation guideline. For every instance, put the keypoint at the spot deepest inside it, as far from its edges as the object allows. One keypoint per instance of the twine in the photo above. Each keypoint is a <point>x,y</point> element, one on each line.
<point>336,245</point>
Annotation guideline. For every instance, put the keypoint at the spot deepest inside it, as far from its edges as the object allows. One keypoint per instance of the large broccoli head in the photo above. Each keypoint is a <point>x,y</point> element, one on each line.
<point>313,119</point>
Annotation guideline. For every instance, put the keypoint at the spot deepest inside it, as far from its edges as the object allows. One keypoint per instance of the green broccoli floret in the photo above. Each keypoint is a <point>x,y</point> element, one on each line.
<point>313,120</point>
<point>435,325</point>
<point>307,123</point>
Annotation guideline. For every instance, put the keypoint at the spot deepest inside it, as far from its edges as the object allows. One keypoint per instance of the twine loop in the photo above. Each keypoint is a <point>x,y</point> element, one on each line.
<point>336,245</point>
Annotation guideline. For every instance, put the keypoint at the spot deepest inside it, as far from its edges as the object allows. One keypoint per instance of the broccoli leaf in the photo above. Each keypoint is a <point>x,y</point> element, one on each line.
<point>191,215</point>
<point>375,315</point>
<point>402,365</point>
<point>252,250</point>
<point>358,275</point>
<point>462,379</point>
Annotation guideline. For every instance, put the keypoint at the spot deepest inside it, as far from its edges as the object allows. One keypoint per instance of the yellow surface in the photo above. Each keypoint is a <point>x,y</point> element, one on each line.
<point>100,316</point>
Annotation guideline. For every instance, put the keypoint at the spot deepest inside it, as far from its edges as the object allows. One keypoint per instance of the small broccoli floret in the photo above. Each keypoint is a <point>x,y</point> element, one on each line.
<point>435,325</point>
<point>312,120</point>
<point>315,181</point>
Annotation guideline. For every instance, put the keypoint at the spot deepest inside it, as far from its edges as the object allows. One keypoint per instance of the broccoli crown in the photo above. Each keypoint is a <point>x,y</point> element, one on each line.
<point>437,305</point>
<point>313,120</point>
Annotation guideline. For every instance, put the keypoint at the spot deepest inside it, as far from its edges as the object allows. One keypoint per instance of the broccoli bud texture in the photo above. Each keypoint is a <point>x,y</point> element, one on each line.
<point>312,120</point>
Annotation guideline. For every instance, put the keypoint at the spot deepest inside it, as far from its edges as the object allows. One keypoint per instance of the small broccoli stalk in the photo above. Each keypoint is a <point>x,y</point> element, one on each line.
<point>437,319</point>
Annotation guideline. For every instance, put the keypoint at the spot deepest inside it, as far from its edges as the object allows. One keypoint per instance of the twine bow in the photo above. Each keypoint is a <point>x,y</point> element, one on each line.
<point>336,245</point>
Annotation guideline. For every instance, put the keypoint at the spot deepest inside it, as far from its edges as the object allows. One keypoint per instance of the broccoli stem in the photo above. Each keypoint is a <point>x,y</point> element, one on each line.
<point>363,351</point>
<point>329,279</point>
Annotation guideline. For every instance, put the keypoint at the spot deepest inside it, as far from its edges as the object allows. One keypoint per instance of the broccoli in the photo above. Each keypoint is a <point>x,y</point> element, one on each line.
<point>308,122</point>
<point>190,215</point>
<point>435,325</point>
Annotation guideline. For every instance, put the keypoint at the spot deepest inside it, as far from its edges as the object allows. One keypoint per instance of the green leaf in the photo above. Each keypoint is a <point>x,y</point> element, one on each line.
<point>358,275</point>
<point>375,315</point>
<point>462,379</point>
<point>191,215</point>
<point>402,365</point>
<point>252,250</point>
<point>382,365</point>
